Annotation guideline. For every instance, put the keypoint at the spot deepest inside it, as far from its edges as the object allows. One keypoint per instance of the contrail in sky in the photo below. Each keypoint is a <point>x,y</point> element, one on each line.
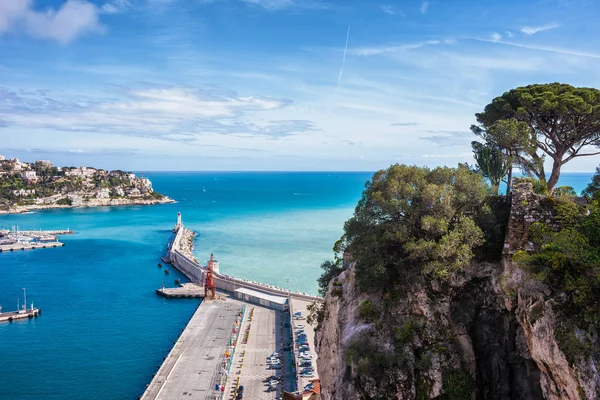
<point>344,58</point>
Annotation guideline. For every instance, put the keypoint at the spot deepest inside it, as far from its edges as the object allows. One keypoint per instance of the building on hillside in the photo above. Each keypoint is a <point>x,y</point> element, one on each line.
<point>135,192</point>
<point>103,193</point>
<point>118,191</point>
<point>264,299</point>
<point>131,177</point>
<point>82,172</point>
<point>2,158</point>
<point>17,165</point>
<point>29,175</point>
<point>45,163</point>
<point>146,184</point>
<point>24,192</point>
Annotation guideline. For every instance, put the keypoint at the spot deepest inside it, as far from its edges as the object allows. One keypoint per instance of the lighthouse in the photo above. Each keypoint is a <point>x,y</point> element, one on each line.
<point>179,224</point>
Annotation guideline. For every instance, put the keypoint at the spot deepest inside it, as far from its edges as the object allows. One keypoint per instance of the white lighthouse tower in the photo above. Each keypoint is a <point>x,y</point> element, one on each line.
<point>179,223</point>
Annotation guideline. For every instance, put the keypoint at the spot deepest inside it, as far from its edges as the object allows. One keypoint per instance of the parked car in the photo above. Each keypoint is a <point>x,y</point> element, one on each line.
<point>271,389</point>
<point>275,366</point>
<point>299,326</point>
<point>273,355</point>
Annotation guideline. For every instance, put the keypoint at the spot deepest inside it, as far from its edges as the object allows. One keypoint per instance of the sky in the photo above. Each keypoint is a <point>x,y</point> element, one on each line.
<point>275,84</point>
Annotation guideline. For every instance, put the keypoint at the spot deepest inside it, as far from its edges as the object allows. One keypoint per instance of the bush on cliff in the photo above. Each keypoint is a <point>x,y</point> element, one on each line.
<point>414,219</point>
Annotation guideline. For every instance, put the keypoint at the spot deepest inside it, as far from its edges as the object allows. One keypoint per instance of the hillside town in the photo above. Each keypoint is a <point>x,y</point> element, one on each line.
<point>26,186</point>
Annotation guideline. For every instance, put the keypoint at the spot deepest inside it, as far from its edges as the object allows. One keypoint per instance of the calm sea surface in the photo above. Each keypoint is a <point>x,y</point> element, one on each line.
<point>103,332</point>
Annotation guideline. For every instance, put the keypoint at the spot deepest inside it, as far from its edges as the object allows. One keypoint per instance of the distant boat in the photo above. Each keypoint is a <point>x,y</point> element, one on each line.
<point>166,272</point>
<point>159,265</point>
<point>203,189</point>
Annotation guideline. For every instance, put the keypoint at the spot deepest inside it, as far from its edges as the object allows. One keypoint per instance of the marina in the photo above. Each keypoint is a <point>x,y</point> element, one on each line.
<point>15,239</point>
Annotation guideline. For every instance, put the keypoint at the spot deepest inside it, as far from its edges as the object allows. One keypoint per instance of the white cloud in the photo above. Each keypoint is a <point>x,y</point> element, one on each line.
<point>532,30</point>
<point>424,6</point>
<point>496,37</point>
<point>115,6</point>
<point>369,51</point>
<point>391,10</point>
<point>73,19</point>
<point>274,5</point>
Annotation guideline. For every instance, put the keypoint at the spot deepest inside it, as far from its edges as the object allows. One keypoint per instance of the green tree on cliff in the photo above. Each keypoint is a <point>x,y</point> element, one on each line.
<point>413,219</point>
<point>491,162</point>
<point>592,191</point>
<point>563,123</point>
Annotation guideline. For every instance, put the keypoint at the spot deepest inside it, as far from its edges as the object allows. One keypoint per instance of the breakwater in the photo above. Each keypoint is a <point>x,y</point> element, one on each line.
<point>180,255</point>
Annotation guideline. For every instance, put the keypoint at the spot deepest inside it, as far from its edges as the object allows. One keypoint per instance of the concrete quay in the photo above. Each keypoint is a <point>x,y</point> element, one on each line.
<point>14,315</point>
<point>186,290</point>
<point>195,364</point>
<point>29,246</point>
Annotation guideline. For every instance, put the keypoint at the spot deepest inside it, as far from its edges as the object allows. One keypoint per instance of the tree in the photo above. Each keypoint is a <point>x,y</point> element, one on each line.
<point>518,145</point>
<point>331,269</point>
<point>593,188</point>
<point>564,121</point>
<point>412,220</point>
<point>491,163</point>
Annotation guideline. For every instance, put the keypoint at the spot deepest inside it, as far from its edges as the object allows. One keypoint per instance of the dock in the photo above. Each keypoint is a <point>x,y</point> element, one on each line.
<point>198,361</point>
<point>29,246</point>
<point>14,315</point>
<point>185,290</point>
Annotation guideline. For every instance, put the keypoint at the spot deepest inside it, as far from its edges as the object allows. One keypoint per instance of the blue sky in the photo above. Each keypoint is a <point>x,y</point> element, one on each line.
<point>275,84</point>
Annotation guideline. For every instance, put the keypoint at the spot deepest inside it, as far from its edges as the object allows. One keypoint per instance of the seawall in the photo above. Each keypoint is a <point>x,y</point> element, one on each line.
<point>196,273</point>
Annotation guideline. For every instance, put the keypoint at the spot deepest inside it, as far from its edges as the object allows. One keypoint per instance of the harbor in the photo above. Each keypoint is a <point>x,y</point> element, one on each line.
<point>242,341</point>
<point>15,239</point>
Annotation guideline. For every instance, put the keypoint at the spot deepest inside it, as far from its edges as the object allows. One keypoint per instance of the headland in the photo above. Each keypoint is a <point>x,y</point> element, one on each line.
<point>40,185</point>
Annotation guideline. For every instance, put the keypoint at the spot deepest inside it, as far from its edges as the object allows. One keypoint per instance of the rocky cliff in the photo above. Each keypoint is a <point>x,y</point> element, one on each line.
<point>489,332</point>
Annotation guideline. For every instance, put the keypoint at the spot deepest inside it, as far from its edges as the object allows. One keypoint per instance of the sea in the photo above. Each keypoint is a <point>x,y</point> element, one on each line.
<point>103,331</point>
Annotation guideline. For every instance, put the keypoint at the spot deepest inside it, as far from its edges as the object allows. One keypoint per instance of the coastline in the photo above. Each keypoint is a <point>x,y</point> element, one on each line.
<point>91,204</point>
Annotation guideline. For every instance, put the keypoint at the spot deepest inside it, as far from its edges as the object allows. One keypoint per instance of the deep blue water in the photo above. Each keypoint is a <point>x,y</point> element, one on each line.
<point>103,331</point>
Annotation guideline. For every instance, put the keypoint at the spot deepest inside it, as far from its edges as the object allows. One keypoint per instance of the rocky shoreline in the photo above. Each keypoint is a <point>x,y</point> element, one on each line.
<point>90,203</point>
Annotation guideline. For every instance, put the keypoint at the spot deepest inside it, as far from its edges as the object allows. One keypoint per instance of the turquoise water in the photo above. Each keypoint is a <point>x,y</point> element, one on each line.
<point>103,331</point>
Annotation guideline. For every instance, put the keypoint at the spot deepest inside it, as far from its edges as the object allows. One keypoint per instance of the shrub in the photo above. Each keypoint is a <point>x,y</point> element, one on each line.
<point>368,312</point>
<point>65,201</point>
<point>458,385</point>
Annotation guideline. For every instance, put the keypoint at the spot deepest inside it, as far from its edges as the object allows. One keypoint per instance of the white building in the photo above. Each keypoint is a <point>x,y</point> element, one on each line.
<point>17,165</point>
<point>23,192</point>
<point>135,192</point>
<point>103,193</point>
<point>45,163</point>
<point>131,177</point>
<point>119,191</point>
<point>29,175</point>
<point>2,158</point>
<point>82,172</point>
<point>146,184</point>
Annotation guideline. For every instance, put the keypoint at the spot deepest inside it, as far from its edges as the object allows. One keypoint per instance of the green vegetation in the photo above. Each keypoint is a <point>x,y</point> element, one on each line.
<point>65,201</point>
<point>592,191</point>
<point>413,219</point>
<point>557,119</point>
<point>491,162</point>
<point>368,312</point>
<point>331,269</point>
<point>458,385</point>
<point>568,260</point>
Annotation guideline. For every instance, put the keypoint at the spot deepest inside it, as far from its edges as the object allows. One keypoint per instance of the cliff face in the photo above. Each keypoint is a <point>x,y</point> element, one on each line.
<point>485,334</point>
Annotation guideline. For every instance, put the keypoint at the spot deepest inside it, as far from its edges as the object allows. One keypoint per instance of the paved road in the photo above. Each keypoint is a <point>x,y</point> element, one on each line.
<point>190,368</point>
